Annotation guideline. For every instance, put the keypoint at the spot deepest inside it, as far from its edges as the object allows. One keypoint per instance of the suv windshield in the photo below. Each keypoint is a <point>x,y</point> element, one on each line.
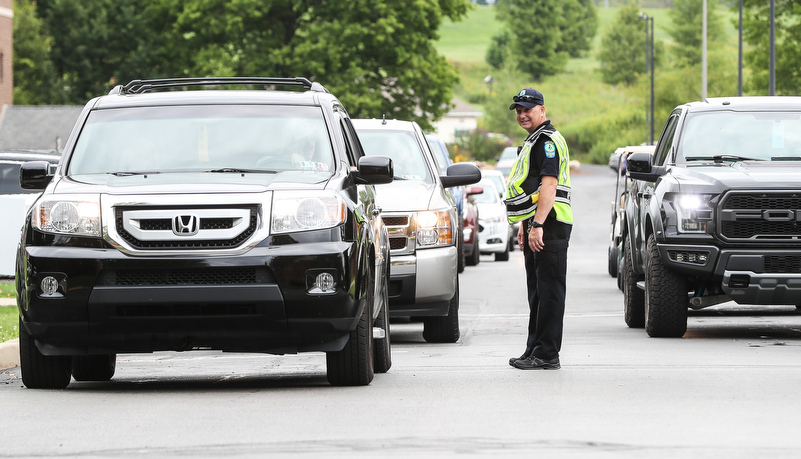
<point>767,136</point>
<point>402,147</point>
<point>202,138</point>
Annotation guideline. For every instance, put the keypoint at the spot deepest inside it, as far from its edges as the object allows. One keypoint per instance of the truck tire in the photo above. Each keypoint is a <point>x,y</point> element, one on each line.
<point>611,253</point>
<point>41,371</point>
<point>633,297</point>
<point>94,367</point>
<point>666,299</point>
<point>444,329</point>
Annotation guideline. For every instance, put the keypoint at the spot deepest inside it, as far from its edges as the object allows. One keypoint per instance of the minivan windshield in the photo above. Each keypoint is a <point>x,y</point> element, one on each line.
<point>742,136</point>
<point>219,138</point>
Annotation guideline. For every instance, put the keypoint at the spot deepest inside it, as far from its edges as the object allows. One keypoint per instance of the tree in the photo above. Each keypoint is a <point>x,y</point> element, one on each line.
<point>380,59</point>
<point>686,31</point>
<point>544,34</point>
<point>756,33</point>
<point>622,56</point>
<point>33,73</point>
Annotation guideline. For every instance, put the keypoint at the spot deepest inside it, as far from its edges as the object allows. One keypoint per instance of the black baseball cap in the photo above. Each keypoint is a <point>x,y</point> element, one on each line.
<point>527,98</point>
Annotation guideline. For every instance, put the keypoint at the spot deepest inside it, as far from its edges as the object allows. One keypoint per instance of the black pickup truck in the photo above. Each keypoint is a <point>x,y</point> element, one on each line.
<point>714,214</point>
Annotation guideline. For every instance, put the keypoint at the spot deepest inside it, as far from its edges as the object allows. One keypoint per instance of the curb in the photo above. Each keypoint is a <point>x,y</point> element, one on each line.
<point>9,354</point>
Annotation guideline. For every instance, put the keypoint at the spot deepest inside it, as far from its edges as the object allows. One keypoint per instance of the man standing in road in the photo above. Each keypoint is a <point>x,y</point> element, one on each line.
<point>538,196</point>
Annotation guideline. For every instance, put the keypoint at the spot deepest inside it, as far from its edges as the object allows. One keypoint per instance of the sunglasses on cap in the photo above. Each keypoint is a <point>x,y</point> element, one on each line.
<point>532,99</point>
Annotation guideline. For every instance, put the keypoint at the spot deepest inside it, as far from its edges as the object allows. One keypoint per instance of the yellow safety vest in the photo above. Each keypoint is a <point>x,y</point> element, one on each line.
<point>522,204</point>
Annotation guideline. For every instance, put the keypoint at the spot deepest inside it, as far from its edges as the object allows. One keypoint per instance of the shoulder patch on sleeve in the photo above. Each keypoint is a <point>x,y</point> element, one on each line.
<point>550,149</point>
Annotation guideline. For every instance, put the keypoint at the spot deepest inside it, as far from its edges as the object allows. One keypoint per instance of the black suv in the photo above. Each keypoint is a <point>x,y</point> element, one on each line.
<point>236,217</point>
<point>715,213</point>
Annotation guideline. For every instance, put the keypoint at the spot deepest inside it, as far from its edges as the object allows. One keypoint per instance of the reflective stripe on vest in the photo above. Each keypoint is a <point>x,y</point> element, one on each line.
<point>522,204</point>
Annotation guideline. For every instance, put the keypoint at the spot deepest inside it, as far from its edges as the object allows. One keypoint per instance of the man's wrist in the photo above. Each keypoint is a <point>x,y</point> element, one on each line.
<point>536,224</point>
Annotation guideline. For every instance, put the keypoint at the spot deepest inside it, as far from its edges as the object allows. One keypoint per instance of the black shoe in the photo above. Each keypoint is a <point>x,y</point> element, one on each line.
<point>515,359</point>
<point>535,363</point>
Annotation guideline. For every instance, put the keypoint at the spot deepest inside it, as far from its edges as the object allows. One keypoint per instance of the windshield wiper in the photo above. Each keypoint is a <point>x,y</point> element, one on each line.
<point>722,158</point>
<point>130,173</point>
<point>226,170</point>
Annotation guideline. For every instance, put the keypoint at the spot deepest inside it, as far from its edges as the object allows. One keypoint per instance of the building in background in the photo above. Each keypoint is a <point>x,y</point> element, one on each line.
<point>461,120</point>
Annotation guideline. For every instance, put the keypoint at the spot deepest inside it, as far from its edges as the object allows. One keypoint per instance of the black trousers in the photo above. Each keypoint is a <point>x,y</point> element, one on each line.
<point>546,273</point>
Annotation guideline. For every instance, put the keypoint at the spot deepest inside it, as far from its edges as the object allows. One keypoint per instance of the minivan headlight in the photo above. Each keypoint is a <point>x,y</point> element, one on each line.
<point>77,215</point>
<point>306,210</point>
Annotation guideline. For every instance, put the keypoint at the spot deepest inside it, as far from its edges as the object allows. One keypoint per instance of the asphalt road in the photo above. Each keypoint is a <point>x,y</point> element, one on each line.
<point>729,388</point>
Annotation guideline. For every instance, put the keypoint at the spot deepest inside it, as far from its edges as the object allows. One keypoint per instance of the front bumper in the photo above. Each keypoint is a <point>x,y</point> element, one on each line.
<point>110,302</point>
<point>494,237</point>
<point>424,283</point>
<point>748,276</point>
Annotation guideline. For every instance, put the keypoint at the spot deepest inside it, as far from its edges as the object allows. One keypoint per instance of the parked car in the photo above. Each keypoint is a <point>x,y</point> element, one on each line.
<point>471,228</point>
<point>465,207</point>
<point>505,161</point>
<point>494,229</point>
<point>422,220</point>
<point>714,213</point>
<point>622,184</point>
<point>183,220</point>
<point>15,201</point>
<point>499,181</point>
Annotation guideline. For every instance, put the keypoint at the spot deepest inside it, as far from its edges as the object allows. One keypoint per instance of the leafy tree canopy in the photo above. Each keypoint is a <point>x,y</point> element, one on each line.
<point>756,33</point>
<point>687,30</point>
<point>622,55</point>
<point>377,57</point>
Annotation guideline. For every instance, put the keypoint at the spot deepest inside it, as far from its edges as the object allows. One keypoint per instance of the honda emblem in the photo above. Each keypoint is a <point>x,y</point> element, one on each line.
<point>185,225</point>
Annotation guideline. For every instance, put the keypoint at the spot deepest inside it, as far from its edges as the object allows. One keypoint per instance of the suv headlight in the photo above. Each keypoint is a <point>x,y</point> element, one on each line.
<point>306,210</point>
<point>76,215</point>
<point>434,229</point>
<point>693,212</point>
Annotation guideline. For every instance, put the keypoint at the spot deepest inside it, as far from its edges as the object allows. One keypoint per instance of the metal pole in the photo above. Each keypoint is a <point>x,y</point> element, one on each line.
<point>652,80</point>
<point>740,55</point>
<point>772,83</point>
<point>703,53</point>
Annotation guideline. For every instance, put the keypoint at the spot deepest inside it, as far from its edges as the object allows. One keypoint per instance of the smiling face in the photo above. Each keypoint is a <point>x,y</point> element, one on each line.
<point>530,118</point>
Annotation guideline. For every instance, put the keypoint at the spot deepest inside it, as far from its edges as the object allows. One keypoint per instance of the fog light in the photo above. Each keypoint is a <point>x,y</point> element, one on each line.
<point>427,237</point>
<point>49,285</point>
<point>323,283</point>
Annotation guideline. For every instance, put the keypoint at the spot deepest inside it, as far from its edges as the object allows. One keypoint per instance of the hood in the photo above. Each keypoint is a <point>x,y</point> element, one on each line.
<point>191,182</point>
<point>744,174</point>
<point>404,195</point>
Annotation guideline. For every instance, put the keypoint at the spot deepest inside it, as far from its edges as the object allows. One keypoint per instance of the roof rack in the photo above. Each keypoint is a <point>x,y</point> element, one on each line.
<point>140,86</point>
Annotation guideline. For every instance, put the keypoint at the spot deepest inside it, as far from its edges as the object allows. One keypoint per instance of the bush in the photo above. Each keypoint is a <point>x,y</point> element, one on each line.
<point>480,145</point>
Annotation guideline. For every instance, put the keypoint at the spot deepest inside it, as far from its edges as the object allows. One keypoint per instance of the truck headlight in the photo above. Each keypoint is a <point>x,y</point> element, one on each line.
<point>693,212</point>
<point>434,229</point>
<point>306,210</point>
<point>77,215</point>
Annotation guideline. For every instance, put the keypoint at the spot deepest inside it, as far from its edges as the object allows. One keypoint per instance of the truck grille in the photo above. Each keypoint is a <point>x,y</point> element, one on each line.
<point>761,217</point>
<point>193,276</point>
<point>400,233</point>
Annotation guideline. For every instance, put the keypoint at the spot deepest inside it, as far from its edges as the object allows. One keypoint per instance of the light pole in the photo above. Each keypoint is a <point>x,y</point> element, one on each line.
<point>649,63</point>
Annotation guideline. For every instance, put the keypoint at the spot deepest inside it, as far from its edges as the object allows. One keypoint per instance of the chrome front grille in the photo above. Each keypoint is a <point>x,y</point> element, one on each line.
<point>186,228</point>
<point>761,216</point>
<point>401,232</point>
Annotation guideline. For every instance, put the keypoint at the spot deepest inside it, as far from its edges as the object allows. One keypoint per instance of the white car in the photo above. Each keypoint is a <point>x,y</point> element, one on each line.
<point>494,229</point>
<point>505,161</point>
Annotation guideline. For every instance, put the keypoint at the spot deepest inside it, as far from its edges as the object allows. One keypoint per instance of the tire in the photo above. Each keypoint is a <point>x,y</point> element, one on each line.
<point>94,367</point>
<point>475,257</point>
<point>382,353</point>
<point>353,365</point>
<point>41,371</point>
<point>502,256</point>
<point>666,299</point>
<point>461,261</point>
<point>612,255</point>
<point>444,329</point>
<point>633,297</point>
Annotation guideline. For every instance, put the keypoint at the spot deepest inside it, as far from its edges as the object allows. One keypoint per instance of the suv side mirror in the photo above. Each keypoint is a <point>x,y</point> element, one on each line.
<point>460,174</point>
<point>374,170</point>
<point>34,175</point>
<point>639,167</point>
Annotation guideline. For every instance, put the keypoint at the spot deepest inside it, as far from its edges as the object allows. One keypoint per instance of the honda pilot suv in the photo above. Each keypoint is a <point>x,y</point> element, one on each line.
<point>423,224</point>
<point>714,215</point>
<point>237,217</point>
